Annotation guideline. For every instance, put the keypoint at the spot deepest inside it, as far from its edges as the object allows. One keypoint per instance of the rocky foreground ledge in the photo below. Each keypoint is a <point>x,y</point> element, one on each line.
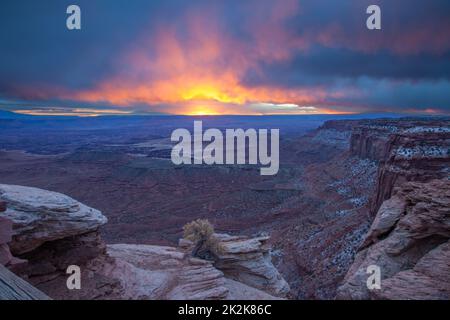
<point>43,232</point>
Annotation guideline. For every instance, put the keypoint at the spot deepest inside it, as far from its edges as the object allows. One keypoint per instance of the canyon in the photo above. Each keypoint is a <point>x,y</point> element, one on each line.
<point>348,194</point>
<point>218,148</point>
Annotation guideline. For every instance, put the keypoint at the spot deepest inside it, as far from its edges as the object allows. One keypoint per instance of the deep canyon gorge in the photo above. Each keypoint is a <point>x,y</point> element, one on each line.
<point>348,194</point>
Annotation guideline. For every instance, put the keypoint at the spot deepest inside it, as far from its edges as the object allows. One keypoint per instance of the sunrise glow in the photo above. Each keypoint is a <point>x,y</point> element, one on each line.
<point>230,58</point>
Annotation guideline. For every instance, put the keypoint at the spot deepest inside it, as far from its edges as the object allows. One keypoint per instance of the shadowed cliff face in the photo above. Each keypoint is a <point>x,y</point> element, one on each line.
<point>378,156</point>
<point>409,242</point>
<point>414,156</point>
<point>5,236</point>
<point>409,236</point>
<point>407,150</point>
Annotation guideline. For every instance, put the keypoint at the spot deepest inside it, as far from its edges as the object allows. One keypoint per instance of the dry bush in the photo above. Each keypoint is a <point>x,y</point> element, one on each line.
<point>201,233</point>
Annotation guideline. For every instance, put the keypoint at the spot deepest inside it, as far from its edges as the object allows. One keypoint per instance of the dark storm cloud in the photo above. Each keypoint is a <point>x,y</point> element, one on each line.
<point>37,48</point>
<point>324,65</point>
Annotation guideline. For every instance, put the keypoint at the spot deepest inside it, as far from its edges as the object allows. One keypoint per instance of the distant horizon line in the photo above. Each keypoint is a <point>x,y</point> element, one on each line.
<point>143,114</point>
<point>26,109</point>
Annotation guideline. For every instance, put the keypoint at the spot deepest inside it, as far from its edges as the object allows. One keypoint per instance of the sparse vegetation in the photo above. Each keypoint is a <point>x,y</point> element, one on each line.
<point>201,233</point>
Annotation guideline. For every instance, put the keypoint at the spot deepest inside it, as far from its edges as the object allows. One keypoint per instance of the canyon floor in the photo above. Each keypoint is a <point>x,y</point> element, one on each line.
<point>317,210</point>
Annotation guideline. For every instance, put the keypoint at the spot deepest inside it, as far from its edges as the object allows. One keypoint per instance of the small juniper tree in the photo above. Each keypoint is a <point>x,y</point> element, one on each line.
<point>201,233</point>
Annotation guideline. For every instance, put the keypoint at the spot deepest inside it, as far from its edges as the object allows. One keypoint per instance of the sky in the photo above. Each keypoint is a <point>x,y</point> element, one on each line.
<point>224,57</point>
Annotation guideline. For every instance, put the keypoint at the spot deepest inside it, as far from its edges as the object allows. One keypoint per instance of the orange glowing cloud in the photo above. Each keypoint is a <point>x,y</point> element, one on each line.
<point>239,57</point>
<point>187,72</point>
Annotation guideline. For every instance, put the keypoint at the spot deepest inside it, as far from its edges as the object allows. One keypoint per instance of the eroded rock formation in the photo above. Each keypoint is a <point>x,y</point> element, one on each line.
<point>409,235</point>
<point>52,231</point>
<point>409,241</point>
<point>407,150</point>
<point>40,216</point>
<point>247,260</point>
<point>400,151</point>
<point>6,234</point>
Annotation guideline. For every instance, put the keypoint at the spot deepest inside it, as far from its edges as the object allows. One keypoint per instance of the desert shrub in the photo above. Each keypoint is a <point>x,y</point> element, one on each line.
<point>201,233</point>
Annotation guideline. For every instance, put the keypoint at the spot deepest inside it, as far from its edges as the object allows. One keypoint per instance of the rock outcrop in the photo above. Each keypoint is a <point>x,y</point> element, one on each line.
<point>370,142</point>
<point>412,156</point>
<point>6,234</point>
<point>170,274</point>
<point>374,139</point>
<point>406,150</point>
<point>247,260</point>
<point>52,231</point>
<point>167,272</point>
<point>409,241</point>
<point>360,164</point>
<point>40,216</point>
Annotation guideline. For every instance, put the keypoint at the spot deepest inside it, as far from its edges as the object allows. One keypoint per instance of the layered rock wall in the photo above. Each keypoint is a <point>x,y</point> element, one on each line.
<point>412,156</point>
<point>247,260</point>
<point>5,236</point>
<point>406,150</point>
<point>409,242</point>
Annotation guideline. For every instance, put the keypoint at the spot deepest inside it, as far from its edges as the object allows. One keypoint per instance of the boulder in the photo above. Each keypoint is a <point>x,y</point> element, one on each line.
<point>248,261</point>
<point>40,216</point>
<point>429,279</point>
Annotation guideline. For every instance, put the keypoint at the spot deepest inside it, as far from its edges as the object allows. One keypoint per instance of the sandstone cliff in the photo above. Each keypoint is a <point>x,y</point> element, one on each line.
<point>5,236</point>
<point>52,231</point>
<point>409,241</point>
<point>409,235</point>
<point>407,150</point>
